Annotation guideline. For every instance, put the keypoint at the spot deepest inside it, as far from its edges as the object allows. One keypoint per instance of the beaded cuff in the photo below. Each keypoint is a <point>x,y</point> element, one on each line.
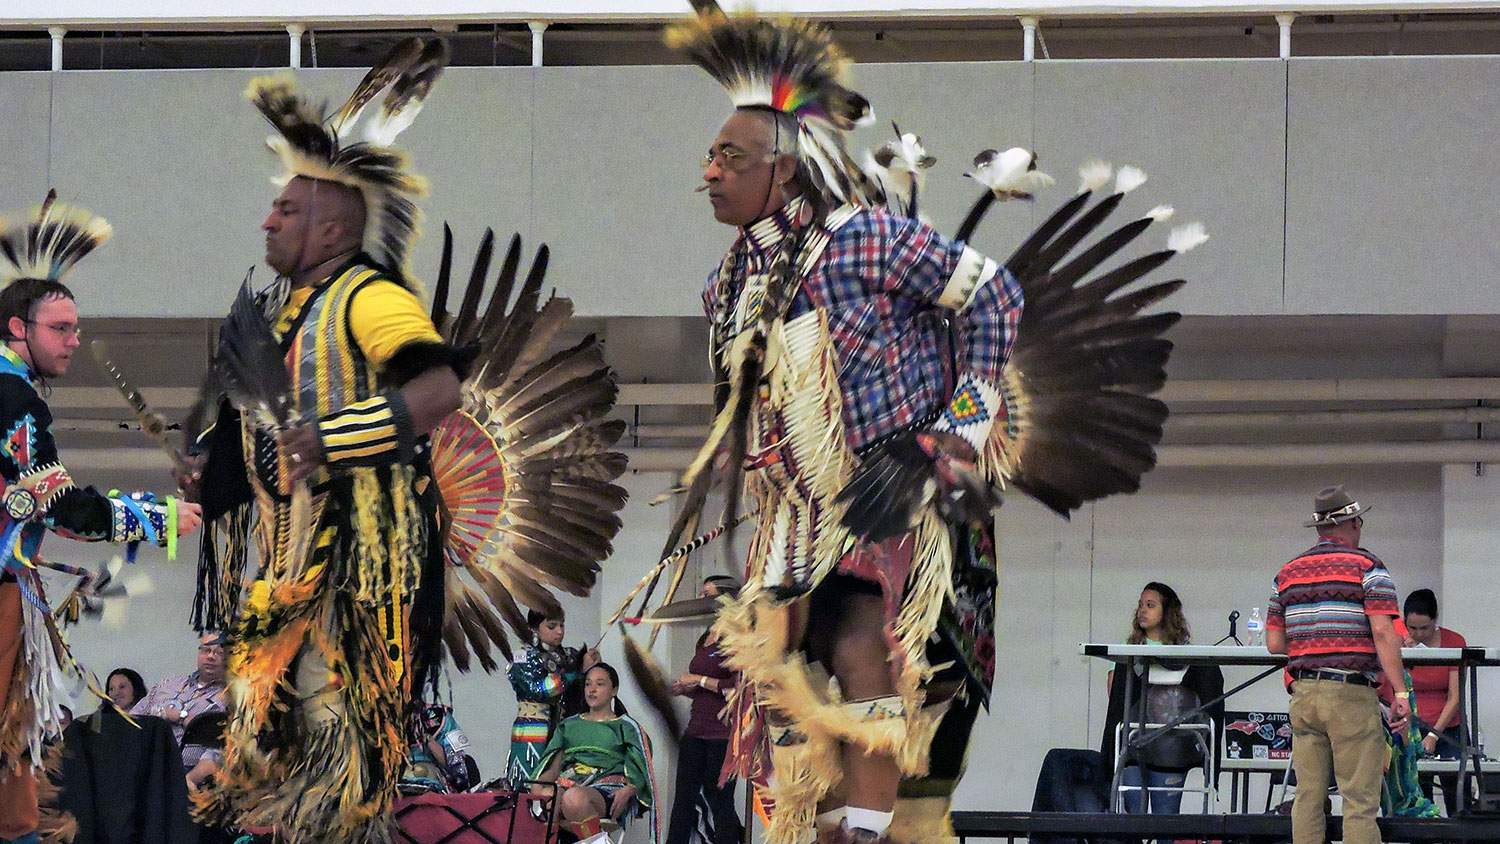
<point>973,272</point>
<point>972,412</point>
<point>31,495</point>
<point>139,517</point>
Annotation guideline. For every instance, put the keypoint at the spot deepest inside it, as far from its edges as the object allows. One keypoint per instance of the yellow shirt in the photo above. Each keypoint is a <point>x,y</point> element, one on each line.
<point>383,316</point>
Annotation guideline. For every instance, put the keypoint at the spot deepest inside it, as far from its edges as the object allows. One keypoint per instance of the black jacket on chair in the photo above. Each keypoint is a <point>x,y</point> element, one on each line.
<point>124,783</point>
<point>1205,681</point>
<point>1073,780</point>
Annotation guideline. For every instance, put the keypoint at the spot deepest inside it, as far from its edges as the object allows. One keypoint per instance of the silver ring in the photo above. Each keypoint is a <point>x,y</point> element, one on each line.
<point>296,458</point>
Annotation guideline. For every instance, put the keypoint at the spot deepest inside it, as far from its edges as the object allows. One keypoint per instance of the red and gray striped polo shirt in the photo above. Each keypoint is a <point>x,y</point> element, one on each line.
<point>1323,600</point>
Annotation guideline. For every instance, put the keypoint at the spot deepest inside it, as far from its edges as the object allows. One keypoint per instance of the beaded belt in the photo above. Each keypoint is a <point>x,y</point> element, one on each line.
<point>532,709</point>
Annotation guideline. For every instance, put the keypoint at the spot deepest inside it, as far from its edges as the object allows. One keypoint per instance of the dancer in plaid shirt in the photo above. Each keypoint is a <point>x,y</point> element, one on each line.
<point>902,305</point>
<point>877,381</point>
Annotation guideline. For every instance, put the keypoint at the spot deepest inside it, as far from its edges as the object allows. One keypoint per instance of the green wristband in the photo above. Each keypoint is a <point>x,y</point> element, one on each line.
<point>171,528</point>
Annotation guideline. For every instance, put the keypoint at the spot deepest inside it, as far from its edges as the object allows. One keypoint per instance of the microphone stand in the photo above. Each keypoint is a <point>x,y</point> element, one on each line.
<point>1234,617</point>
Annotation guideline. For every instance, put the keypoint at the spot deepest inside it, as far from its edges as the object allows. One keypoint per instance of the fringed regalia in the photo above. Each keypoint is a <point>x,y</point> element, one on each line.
<point>403,543</point>
<point>850,340</point>
<point>36,667</point>
<point>325,659</point>
<point>804,455</point>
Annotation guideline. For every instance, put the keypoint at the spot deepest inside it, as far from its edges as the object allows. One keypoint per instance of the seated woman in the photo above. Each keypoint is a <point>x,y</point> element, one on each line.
<point>437,760</point>
<point>125,688</point>
<point>1436,690</point>
<point>1154,775</point>
<point>600,761</point>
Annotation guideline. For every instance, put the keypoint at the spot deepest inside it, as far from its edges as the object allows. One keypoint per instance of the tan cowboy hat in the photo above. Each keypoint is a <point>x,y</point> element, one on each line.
<point>1333,505</point>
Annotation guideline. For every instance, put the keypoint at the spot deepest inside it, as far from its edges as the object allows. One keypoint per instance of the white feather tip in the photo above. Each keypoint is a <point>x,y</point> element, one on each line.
<point>1011,174</point>
<point>1161,213</point>
<point>1186,237</point>
<point>1093,175</point>
<point>1129,178</point>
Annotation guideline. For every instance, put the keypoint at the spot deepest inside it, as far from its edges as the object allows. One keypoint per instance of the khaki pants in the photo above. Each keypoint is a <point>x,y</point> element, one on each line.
<point>18,812</point>
<point>1337,728</point>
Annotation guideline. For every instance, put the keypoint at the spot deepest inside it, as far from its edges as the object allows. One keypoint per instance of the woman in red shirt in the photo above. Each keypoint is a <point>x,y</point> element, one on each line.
<point>1436,698</point>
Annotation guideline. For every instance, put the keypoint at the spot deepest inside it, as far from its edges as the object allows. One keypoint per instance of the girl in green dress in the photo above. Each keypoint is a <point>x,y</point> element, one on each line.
<point>600,761</point>
<point>545,678</point>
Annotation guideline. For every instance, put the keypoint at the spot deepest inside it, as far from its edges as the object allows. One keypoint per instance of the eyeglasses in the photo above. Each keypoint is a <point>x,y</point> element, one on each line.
<point>62,328</point>
<point>731,159</point>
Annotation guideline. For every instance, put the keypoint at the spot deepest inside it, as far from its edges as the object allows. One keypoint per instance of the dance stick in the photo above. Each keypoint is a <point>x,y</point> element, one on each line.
<point>671,593</point>
<point>152,423</point>
<point>681,552</point>
<point>666,561</point>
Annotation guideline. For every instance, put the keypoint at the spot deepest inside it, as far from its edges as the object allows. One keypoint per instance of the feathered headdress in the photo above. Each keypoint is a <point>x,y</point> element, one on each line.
<point>792,67</point>
<point>342,149</point>
<point>54,237</point>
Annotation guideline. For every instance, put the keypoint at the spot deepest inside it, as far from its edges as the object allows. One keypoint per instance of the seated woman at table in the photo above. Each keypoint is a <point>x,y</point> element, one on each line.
<point>1164,763</point>
<point>1435,690</point>
<point>600,761</point>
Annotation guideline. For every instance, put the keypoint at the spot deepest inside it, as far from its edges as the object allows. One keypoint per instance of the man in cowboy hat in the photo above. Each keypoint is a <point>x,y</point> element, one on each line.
<point>1331,613</point>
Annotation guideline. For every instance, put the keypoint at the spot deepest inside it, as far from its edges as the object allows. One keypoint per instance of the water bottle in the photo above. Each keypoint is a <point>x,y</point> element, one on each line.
<point>1256,629</point>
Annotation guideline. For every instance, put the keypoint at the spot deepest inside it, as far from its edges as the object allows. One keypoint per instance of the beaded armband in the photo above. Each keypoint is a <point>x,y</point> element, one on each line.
<point>972,412</point>
<point>372,432</point>
<point>138,517</point>
<point>30,496</point>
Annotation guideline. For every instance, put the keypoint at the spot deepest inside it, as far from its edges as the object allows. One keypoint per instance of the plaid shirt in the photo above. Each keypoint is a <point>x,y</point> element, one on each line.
<point>193,699</point>
<point>880,280</point>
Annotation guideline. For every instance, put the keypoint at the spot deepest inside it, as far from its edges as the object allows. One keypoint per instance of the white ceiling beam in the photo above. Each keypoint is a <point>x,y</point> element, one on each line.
<point>1182,391</point>
<point>96,398</point>
<point>81,461</point>
<point>1329,454</point>
<point>1331,389</point>
<point>1195,421</point>
<point>159,13</point>
<point>1208,456</point>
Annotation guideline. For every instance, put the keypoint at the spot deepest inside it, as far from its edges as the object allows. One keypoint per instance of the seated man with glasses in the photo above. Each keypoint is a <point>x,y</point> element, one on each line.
<point>179,700</point>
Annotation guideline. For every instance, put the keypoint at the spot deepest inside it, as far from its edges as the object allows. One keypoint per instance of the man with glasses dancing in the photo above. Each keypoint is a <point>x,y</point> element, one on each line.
<point>815,268</point>
<point>40,322</point>
<point>877,383</point>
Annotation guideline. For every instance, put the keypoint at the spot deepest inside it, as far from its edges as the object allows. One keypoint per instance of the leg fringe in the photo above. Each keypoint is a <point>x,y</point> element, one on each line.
<point>923,820</point>
<point>34,701</point>
<point>327,796</point>
<point>753,635</point>
<point>804,773</point>
<point>55,825</point>
<point>930,589</point>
